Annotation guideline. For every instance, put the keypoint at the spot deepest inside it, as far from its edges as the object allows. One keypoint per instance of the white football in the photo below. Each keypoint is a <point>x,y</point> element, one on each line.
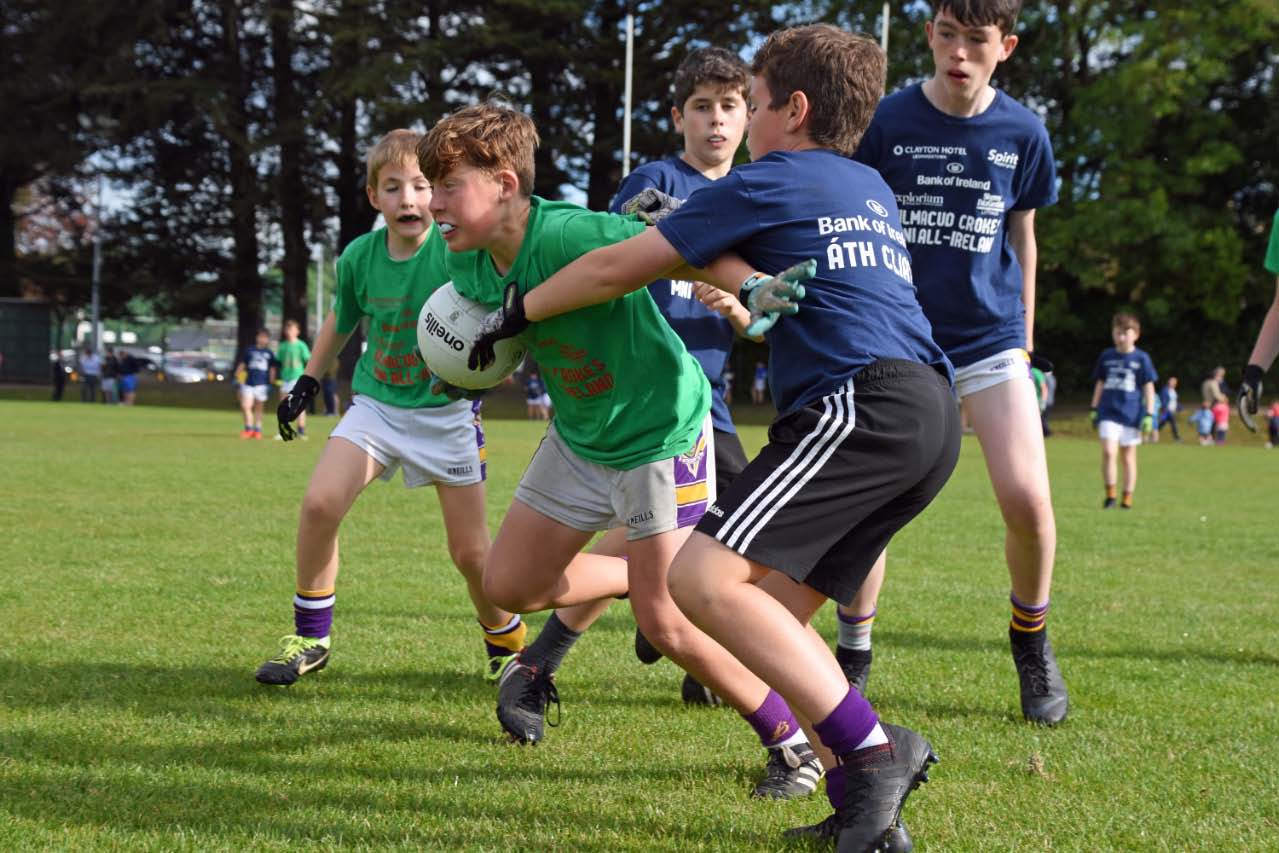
<point>446,327</point>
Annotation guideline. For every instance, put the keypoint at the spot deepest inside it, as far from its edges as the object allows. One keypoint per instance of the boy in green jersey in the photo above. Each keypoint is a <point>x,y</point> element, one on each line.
<point>394,421</point>
<point>630,444</point>
<point>293,354</point>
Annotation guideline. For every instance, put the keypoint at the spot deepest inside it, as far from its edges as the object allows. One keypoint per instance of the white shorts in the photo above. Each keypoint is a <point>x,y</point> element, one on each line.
<point>991,371</point>
<point>1127,436</point>
<point>286,385</point>
<point>655,498</point>
<point>443,445</point>
<point>256,392</point>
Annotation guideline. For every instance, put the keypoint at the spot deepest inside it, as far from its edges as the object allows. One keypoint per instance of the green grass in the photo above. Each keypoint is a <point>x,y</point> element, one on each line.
<point>147,570</point>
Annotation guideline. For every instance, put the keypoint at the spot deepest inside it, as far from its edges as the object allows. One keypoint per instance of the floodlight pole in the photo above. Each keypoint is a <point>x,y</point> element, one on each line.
<point>626,109</point>
<point>95,298</point>
<point>319,288</point>
<point>883,33</point>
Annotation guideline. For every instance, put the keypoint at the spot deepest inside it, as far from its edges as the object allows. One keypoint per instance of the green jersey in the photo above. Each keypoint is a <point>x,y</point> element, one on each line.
<point>1272,253</point>
<point>293,356</point>
<point>625,390</point>
<point>391,294</point>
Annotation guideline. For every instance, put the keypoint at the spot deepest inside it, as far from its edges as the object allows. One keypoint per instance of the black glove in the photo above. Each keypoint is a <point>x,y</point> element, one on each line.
<point>1040,363</point>
<point>506,322</point>
<point>1250,395</point>
<point>439,386</point>
<point>304,391</point>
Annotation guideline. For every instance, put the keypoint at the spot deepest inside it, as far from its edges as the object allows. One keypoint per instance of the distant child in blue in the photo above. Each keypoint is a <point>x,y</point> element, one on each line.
<point>867,431</point>
<point>1123,405</point>
<point>759,383</point>
<point>1202,421</point>
<point>535,396</point>
<point>1168,408</point>
<point>260,367</point>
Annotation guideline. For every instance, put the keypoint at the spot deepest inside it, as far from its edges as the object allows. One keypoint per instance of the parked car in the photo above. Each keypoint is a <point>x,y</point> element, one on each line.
<point>193,367</point>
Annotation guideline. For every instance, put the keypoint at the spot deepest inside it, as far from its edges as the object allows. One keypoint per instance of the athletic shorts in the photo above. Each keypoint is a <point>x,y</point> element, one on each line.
<point>1127,436</point>
<point>442,445</point>
<point>255,392</point>
<point>651,499</point>
<point>128,383</point>
<point>839,477</point>
<point>286,386</point>
<point>991,371</point>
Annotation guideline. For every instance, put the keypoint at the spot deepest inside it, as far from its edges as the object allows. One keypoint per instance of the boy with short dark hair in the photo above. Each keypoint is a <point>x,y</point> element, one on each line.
<point>969,166</point>
<point>395,420</point>
<point>1123,405</point>
<point>630,441</point>
<point>259,366</point>
<point>868,431</point>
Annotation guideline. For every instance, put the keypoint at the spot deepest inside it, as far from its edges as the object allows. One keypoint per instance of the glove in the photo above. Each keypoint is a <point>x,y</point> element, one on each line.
<point>1040,363</point>
<point>506,322</point>
<point>768,297</point>
<point>1147,423</point>
<point>651,204</point>
<point>439,386</point>
<point>1249,395</point>
<point>1092,417</point>
<point>304,391</point>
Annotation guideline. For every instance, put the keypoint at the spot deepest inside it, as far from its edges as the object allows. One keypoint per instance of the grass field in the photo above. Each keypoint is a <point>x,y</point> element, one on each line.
<point>147,570</point>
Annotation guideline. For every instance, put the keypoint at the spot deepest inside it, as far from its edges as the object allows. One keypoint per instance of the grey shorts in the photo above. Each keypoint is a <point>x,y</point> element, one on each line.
<point>443,445</point>
<point>651,499</point>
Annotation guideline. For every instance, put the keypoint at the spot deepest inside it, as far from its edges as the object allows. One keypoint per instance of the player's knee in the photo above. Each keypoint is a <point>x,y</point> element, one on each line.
<point>667,632</point>
<point>687,586</point>
<point>321,507</point>
<point>1031,516</point>
<point>469,558</point>
<point>508,593</point>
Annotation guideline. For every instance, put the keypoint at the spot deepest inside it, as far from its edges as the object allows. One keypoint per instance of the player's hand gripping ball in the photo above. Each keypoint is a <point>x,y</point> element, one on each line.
<point>497,328</point>
<point>651,205</point>
<point>446,326</point>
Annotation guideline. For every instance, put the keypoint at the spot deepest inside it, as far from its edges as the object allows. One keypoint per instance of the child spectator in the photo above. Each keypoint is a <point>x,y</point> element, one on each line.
<point>1202,421</point>
<point>1123,405</point>
<point>534,391</point>
<point>1220,421</point>
<point>258,365</point>
<point>759,384</point>
<point>1274,425</point>
<point>1168,408</point>
<point>292,356</point>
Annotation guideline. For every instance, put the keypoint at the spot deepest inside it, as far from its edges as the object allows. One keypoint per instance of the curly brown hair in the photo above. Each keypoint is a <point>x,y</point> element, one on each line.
<point>714,66</point>
<point>841,73</point>
<point>491,136</point>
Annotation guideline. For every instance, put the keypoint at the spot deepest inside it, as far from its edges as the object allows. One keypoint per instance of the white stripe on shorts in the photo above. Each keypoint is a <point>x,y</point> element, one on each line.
<point>805,460</point>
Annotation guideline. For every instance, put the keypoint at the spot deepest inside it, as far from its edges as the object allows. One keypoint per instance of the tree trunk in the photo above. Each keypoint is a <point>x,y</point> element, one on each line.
<point>290,188</point>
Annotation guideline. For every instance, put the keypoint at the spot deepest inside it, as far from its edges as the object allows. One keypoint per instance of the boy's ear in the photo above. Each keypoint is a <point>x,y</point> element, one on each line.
<point>508,183</point>
<point>797,110</point>
<point>1007,46</point>
<point>371,192</point>
<point>677,119</point>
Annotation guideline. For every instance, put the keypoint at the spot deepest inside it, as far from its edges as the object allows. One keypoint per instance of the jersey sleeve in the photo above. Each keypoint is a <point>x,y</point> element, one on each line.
<point>306,353</point>
<point>346,307</point>
<point>1272,253</point>
<point>1148,373</point>
<point>587,230</point>
<point>1038,181</point>
<point>713,220</point>
<point>1096,368</point>
<point>631,185</point>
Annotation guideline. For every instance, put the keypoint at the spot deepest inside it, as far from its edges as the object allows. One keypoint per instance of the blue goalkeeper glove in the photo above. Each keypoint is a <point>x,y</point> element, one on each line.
<point>651,205</point>
<point>1250,395</point>
<point>292,406</point>
<point>769,297</point>
<point>506,322</point>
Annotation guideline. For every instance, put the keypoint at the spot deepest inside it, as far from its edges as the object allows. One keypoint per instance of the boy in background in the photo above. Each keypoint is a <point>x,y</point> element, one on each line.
<point>1123,405</point>
<point>293,354</point>
<point>1168,408</point>
<point>1202,421</point>
<point>867,431</point>
<point>1220,421</point>
<point>630,441</point>
<point>969,166</point>
<point>394,421</point>
<point>257,364</point>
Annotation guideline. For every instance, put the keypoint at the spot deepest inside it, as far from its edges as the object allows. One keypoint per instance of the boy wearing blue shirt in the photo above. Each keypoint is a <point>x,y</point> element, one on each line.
<point>868,431</point>
<point>259,366</point>
<point>969,166</point>
<point>1123,405</point>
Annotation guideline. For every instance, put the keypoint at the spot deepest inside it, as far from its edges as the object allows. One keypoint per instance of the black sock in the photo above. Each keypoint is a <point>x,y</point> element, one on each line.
<point>551,645</point>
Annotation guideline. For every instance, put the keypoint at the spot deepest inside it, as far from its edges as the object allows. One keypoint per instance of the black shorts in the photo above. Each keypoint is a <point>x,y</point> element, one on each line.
<point>730,459</point>
<point>838,478</point>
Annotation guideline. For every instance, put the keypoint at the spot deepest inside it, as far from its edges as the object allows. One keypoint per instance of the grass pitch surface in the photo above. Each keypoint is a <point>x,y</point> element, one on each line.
<point>147,559</point>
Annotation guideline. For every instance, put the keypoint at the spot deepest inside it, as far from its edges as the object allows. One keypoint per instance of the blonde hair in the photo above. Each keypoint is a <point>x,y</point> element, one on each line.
<point>398,146</point>
<point>491,136</point>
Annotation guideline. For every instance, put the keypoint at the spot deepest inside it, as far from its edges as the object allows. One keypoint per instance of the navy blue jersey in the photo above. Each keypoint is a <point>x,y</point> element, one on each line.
<point>1123,375</point>
<point>955,180</point>
<point>707,335</point>
<point>258,363</point>
<point>790,206</point>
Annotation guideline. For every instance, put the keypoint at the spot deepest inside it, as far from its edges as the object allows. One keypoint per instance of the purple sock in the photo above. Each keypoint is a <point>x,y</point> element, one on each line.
<point>836,783</point>
<point>773,720</point>
<point>848,725</point>
<point>313,613</point>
